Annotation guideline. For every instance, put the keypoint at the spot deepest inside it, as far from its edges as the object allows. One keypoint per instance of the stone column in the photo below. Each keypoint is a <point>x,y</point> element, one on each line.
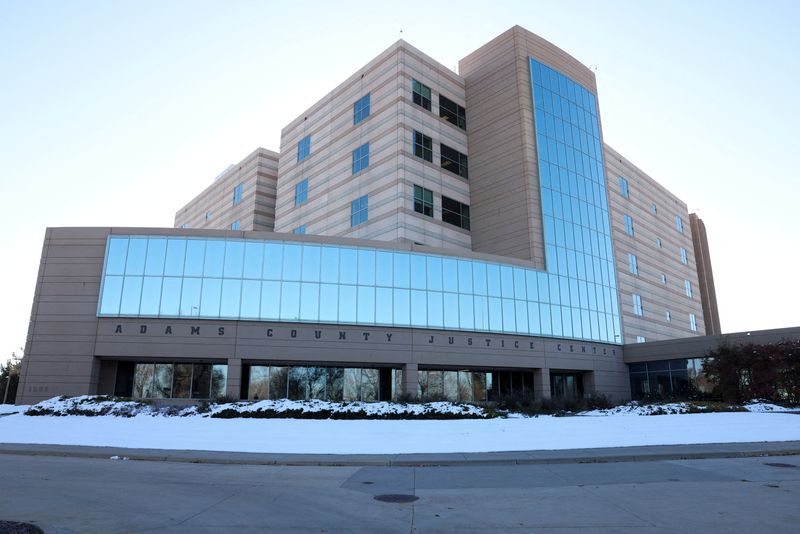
<point>234,386</point>
<point>589,386</point>
<point>541,383</point>
<point>410,379</point>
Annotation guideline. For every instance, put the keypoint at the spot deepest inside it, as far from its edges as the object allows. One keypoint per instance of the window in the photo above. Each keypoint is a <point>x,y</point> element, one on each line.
<point>454,161</point>
<point>684,257</point>
<point>654,208</point>
<point>300,229</point>
<point>236,224</point>
<point>640,339</point>
<point>208,216</point>
<point>423,146</point>
<point>688,287</point>
<point>679,223</point>
<point>628,224</point>
<point>361,109</point>
<point>658,243</point>
<point>301,192</point>
<point>633,265</point>
<point>358,211</point>
<point>637,304</point>
<point>693,322</point>
<point>423,201</point>
<point>664,279</point>
<point>623,187</point>
<point>421,94</point>
<point>304,148</point>
<point>237,194</point>
<point>452,112</point>
<point>669,316</point>
<point>184,225</point>
<point>454,212</point>
<point>361,158</point>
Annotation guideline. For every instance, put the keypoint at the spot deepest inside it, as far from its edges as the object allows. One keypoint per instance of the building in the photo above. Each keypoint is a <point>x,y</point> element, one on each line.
<point>420,233</point>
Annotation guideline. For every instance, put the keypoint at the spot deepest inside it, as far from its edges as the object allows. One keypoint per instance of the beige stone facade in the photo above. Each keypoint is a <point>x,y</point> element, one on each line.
<point>257,175</point>
<point>309,187</point>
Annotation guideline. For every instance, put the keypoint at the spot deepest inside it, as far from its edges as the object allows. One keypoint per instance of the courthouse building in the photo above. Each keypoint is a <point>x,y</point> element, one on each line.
<point>420,232</point>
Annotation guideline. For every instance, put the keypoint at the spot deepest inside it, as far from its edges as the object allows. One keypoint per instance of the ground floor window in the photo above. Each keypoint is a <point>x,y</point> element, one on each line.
<point>171,380</point>
<point>470,385</point>
<point>566,385</point>
<point>681,377</point>
<point>336,384</point>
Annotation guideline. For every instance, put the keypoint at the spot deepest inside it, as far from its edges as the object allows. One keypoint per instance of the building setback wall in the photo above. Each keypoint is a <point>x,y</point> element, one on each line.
<point>504,175</point>
<point>393,169</point>
<point>654,261</point>
<point>705,275</point>
<point>70,351</point>
<point>214,208</point>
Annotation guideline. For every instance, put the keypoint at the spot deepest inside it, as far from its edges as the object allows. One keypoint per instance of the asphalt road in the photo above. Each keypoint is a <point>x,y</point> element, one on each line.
<point>62,494</point>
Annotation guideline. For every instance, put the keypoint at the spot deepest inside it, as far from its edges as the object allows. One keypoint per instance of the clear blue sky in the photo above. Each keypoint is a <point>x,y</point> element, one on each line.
<point>117,113</point>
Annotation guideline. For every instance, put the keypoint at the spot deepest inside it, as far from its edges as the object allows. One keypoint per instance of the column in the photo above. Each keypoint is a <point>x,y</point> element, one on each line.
<point>410,379</point>
<point>234,386</point>
<point>541,383</point>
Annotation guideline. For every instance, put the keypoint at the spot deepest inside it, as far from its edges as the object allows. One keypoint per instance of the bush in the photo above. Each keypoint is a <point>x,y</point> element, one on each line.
<point>747,372</point>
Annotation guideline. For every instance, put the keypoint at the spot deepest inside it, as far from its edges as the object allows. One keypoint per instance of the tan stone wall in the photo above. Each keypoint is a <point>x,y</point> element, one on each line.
<point>258,173</point>
<point>393,170</point>
<point>653,261</point>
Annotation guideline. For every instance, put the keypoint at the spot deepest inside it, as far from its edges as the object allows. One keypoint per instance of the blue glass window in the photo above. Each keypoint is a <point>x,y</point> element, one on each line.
<point>693,322</point>
<point>361,109</point>
<point>654,208</point>
<point>421,94</point>
<point>359,211</point>
<point>361,158</point>
<point>687,285</point>
<point>640,339</point>
<point>633,265</point>
<point>423,145</point>
<point>628,224</point>
<point>304,148</point>
<point>236,224</point>
<point>679,223</point>
<point>300,229</point>
<point>637,304</point>
<point>237,194</point>
<point>208,216</point>
<point>684,256</point>
<point>623,187</point>
<point>301,192</point>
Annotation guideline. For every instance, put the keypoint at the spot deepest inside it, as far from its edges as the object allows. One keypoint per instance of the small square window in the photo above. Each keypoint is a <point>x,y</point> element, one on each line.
<point>300,229</point>
<point>628,224</point>
<point>361,158</point>
<point>421,94</point>
<point>423,146</point>
<point>640,339</point>
<point>454,161</point>
<point>236,224</point>
<point>423,201</point>
<point>301,192</point>
<point>455,213</point>
<point>361,109</point>
<point>359,211</point>
<point>452,112</point>
<point>304,148</point>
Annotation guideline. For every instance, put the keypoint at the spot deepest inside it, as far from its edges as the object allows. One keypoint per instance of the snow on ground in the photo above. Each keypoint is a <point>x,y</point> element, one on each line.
<point>397,436</point>
<point>763,406</point>
<point>11,408</point>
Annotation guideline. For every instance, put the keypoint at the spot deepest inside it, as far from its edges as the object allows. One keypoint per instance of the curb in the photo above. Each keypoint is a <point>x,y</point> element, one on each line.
<point>575,456</point>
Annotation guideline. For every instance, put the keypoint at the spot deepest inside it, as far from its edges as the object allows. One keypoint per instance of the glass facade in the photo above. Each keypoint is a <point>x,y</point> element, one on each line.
<point>577,231</point>
<point>669,378</point>
<point>261,280</point>
<point>361,109</point>
<point>179,381</point>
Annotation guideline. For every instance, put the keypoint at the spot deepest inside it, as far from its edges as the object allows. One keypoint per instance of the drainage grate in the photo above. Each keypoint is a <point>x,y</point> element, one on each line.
<point>778,464</point>
<point>396,498</point>
<point>14,527</point>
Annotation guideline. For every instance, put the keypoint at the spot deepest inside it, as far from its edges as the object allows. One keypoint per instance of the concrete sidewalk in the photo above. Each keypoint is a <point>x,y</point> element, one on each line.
<point>602,455</point>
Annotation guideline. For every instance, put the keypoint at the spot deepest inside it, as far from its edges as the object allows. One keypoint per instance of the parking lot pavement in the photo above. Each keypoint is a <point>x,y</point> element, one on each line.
<point>67,494</point>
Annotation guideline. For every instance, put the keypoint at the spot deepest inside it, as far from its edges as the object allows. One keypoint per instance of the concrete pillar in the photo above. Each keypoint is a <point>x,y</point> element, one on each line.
<point>541,383</point>
<point>234,386</point>
<point>589,386</point>
<point>410,379</point>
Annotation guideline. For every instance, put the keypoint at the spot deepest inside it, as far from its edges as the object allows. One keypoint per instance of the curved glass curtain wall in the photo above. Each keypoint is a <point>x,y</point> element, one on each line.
<point>218,278</point>
<point>572,180</point>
